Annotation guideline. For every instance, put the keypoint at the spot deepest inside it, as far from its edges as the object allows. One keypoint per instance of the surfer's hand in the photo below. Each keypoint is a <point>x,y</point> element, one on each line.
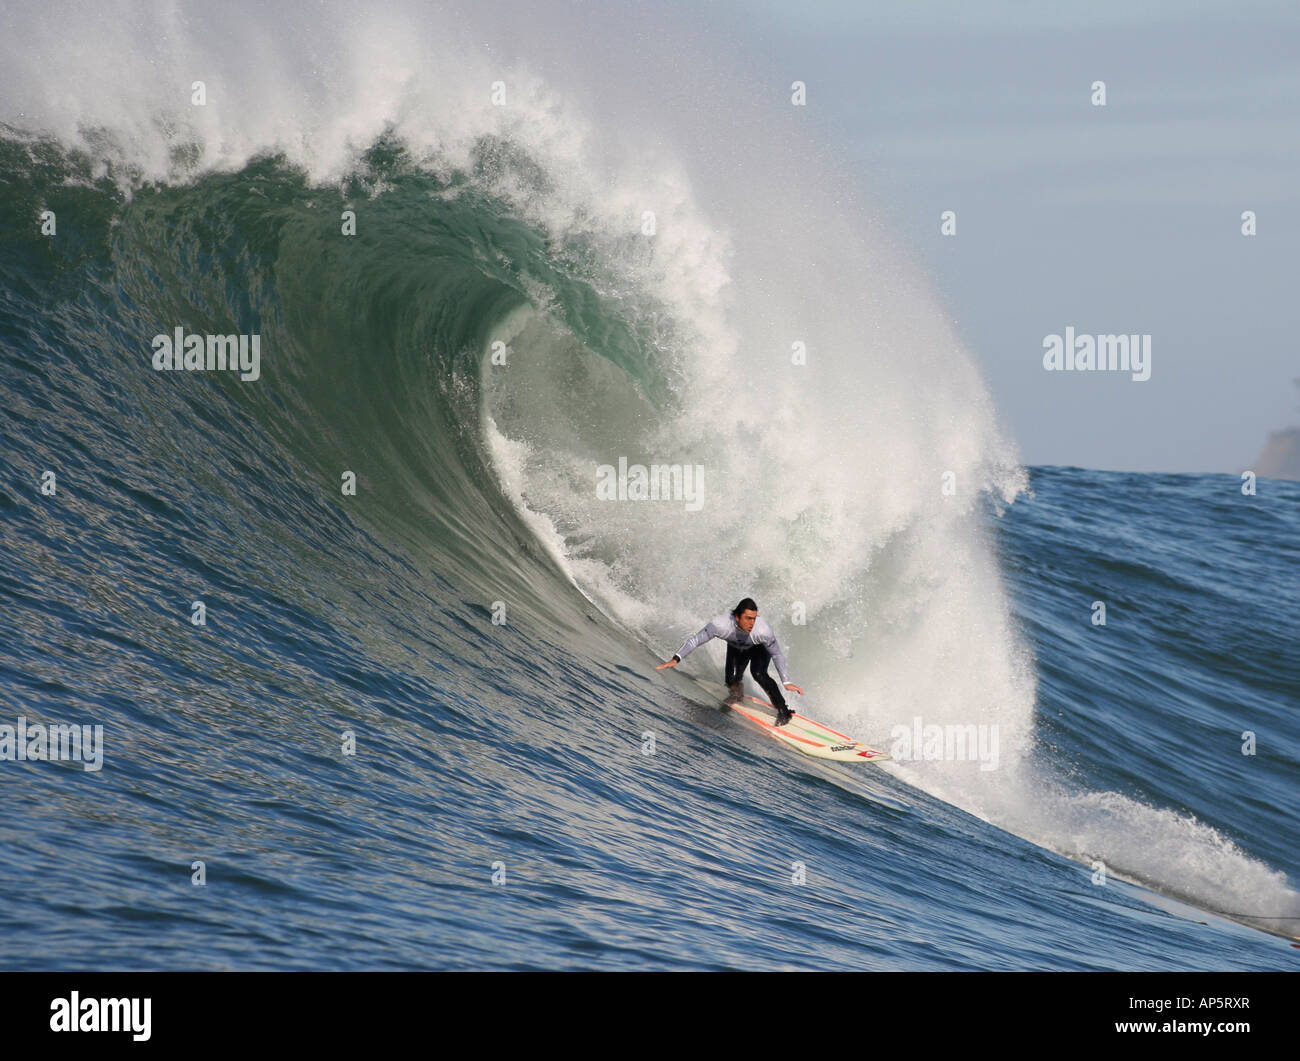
<point>794,688</point>
<point>671,663</point>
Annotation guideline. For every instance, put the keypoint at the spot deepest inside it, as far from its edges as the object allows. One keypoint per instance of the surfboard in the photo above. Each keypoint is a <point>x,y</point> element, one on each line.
<point>809,737</point>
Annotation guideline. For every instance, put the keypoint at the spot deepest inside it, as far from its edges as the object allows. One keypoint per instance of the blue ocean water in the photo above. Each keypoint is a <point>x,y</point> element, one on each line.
<point>419,725</point>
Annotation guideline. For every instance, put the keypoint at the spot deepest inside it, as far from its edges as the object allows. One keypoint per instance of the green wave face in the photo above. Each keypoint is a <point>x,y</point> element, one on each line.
<point>378,304</point>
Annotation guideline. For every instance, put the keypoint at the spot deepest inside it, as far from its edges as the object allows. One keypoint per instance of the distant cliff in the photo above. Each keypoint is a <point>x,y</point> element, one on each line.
<point>1281,456</point>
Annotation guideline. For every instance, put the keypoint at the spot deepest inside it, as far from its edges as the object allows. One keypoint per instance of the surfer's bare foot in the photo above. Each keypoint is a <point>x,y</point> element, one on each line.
<point>783,715</point>
<point>735,693</point>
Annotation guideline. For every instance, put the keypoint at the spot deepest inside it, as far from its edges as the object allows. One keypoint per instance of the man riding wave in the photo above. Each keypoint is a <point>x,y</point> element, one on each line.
<point>751,643</point>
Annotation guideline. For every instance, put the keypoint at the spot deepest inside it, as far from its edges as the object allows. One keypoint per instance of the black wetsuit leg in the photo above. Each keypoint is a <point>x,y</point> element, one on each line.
<point>758,668</point>
<point>737,660</point>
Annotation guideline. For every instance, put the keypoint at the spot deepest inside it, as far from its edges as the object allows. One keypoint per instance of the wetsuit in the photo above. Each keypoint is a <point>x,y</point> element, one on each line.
<point>755,649</point>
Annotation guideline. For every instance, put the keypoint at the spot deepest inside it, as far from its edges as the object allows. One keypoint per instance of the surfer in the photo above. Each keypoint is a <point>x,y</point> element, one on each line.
<point>750,643</point>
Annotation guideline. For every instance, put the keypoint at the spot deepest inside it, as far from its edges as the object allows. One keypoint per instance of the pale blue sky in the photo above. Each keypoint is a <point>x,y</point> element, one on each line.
<point>1117,219</point>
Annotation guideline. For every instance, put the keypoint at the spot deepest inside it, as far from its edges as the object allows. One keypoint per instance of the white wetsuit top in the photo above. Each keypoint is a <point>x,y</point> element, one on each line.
<point>726,627</point>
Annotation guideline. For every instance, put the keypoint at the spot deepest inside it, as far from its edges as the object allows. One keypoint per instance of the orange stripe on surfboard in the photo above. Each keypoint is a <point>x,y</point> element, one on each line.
<point>781,729</point>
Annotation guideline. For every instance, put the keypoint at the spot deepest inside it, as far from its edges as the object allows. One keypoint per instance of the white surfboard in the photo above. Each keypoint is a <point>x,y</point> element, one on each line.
<point>801,732</point>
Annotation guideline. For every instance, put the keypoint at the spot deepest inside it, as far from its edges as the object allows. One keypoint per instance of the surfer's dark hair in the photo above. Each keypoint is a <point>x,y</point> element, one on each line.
<point>747,605</point>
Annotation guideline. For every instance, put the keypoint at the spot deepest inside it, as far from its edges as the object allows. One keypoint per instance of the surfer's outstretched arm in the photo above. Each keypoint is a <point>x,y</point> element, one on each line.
<point>710,631</point>
<point>779,657</point>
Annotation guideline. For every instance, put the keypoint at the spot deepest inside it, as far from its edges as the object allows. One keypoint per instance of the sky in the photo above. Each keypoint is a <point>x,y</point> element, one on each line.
<point>1123,218</point>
